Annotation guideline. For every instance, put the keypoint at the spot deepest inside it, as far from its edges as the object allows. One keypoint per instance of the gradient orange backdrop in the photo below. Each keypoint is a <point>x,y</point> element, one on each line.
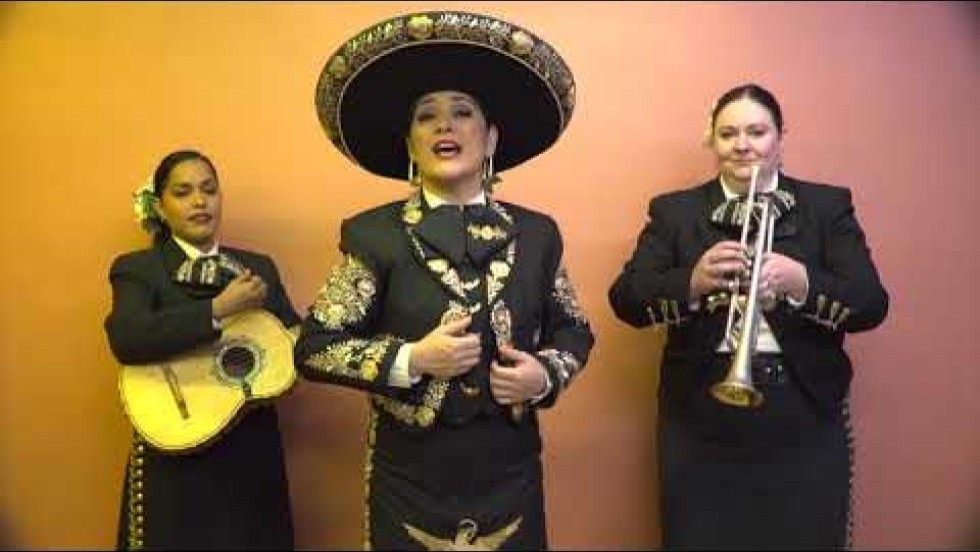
<point>880,97</point>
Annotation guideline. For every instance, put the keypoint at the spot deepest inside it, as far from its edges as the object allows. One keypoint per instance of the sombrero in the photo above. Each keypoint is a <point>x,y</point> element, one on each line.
<point>367,87</point>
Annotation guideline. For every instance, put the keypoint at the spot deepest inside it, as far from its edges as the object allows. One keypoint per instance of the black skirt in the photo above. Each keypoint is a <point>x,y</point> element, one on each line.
<point>231,495</point>
<point>478,484</point>
<point>773,477</point>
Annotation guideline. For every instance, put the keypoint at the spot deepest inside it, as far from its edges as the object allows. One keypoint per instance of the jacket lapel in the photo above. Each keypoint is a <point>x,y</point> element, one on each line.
<point>713,196</point>
<point>441,242</point>
<point>786,225</point>
<point>502,250</point>
<point>173,257</point>
<point>432,250</point>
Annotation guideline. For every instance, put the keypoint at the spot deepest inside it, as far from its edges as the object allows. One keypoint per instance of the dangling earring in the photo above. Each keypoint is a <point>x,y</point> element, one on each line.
<point>489,178</point>
<point>413,178</point>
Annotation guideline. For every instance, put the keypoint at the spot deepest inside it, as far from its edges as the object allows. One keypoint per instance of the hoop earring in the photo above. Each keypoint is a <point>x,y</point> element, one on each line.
<point>414,178</point>
<point>489,179</point>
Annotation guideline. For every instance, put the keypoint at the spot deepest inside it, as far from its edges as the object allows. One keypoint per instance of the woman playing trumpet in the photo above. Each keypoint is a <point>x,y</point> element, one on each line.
<point>774,472</point>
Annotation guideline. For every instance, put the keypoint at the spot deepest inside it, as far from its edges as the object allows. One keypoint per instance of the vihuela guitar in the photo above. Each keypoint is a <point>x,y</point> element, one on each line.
<point>185,402</point>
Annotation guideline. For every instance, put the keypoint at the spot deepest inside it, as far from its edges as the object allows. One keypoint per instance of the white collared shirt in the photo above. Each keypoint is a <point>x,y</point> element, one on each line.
<point>434,200</point>
<point>193,252</point>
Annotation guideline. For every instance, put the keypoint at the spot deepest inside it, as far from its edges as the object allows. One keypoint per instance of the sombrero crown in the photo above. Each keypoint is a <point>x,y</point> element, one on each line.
<point>368,86</point>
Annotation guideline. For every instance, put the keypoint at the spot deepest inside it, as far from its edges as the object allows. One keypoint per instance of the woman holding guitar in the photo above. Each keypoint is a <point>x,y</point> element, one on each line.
<point>229,491</point>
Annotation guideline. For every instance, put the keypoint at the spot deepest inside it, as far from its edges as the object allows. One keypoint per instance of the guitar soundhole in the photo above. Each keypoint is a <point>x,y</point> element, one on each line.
<point>237,362</point>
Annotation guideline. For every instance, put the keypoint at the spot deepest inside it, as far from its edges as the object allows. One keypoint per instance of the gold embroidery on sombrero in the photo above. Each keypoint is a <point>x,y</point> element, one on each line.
<point>420,28</point>
<point>346,297</point>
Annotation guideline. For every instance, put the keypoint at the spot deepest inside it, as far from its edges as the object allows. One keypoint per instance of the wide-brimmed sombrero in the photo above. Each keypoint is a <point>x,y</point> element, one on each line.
<point>368,86</point>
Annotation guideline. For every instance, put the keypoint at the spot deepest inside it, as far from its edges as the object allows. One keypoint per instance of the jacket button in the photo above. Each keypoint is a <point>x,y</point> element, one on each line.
<point>469,390</point>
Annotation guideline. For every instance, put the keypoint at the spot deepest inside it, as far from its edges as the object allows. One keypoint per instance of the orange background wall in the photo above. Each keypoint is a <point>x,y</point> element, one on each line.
<point>881,97</point>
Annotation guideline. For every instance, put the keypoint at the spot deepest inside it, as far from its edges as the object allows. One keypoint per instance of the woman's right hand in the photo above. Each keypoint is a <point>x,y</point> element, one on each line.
<point>446,351</point>
<point>245,292</point>
<point>719,265</point>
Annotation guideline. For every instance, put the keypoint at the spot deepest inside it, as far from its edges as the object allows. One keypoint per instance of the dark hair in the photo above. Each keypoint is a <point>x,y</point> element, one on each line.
<point>173,159</point>
<point>753,92</point>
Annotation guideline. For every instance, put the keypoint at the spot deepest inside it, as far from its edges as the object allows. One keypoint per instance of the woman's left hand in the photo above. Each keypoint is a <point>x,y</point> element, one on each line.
<point>781,276</point>
<point>519,378</point>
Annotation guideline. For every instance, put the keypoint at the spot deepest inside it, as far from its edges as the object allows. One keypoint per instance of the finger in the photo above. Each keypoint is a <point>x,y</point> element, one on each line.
<point>467,361</point>
<point>504,398</point>
<point>502,373</point>
<point>729,244</point>
<point>510,353</point>
<point>456,327</point>
<point>461,369</point>
<point>725,268</point>
<point>504,394</point>
<point>469,345</point>
<point>731,285</point>
<point>738,255</point>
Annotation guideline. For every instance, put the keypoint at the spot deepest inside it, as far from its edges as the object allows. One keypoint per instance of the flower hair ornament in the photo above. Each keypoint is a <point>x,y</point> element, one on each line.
<point>709,128</point>
<point>144,201</point>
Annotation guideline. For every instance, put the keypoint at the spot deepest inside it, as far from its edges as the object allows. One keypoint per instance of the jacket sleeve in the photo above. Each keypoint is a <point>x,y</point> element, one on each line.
<point>652,288</point>
<point>338,343</point>
<point>845,292</point>
<point>566,337</point>
<point>140,328</point>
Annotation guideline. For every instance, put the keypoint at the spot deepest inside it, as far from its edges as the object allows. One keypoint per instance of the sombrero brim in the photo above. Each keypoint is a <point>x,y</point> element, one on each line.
<point>366,111</point>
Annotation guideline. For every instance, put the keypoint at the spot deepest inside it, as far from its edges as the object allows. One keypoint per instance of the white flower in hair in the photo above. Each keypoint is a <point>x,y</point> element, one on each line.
<point>709,127</point>
<point>143,204</point>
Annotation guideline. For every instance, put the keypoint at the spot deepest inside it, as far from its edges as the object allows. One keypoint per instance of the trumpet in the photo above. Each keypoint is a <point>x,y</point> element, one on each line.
<point>741,330</point>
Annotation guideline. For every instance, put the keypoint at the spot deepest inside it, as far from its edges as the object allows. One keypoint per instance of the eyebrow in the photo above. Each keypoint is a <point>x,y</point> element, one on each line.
<point>187,184</point>
<point>749,125</point>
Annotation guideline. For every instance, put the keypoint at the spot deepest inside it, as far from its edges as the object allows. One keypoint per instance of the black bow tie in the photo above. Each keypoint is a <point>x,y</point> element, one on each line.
<point>207,275</point>
<point>474,231</point>
<point>731,212</point>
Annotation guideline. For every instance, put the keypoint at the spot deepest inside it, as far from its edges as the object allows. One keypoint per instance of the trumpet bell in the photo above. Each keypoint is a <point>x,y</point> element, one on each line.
<point>737,393</point>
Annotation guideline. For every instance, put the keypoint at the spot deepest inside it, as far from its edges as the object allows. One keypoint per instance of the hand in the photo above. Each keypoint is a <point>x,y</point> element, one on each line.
<point>718,266</point>
<point>781,276</point>
<point>245,292</point>
<point>446,351</point>
<point>518,378</point>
